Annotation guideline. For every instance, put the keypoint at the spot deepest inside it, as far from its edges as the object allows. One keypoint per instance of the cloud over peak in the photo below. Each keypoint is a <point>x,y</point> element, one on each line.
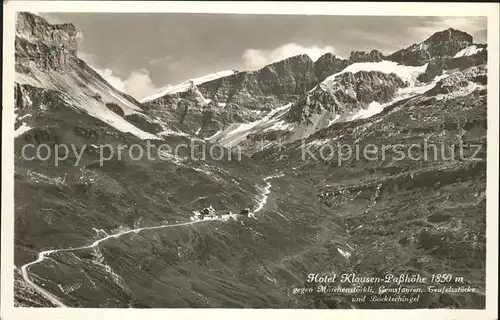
<point>138,84</point>
<point>257,58</point>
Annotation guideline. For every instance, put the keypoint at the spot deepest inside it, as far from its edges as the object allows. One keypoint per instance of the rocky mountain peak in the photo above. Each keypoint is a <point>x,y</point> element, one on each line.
<point>442,44</point>
<point>37,30</point>
<point>328,57</point>
<point>245,92</point>
<point>298,58</point>
<point>301,61</point>
<point>327,65</point>
<point>346,94</point>
<point>449,34</point>
<point>44,45</point>
<point>362,56</point>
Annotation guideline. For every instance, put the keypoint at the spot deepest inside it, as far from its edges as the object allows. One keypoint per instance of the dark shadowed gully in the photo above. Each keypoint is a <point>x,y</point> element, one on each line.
<point>268,227</point>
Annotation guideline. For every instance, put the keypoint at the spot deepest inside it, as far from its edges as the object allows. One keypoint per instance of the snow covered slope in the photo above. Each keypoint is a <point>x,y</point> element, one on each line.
<point>406,73</point>
<point>469,51</point>
<point>47,59</point>
<point>238,132</point>
<point>87,96</point>
<point>282,121</point>
<point>184,86</point>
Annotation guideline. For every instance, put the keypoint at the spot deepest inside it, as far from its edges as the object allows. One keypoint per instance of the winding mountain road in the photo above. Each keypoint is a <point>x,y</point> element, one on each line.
<point>45,254</point>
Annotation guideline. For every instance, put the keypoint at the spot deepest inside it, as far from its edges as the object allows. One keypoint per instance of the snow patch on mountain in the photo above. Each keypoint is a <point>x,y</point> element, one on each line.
<point>23,117</point>
<point>238,132</point>
<point>402,93</point>
<point>373,109</point>
<point>420,46</point>
<point>327,118</point>
<point>406,73</point>
<point>276,119</point>
<point>316,122</point>
<point>22,129</point>
<point>212,136</point>
<point>469,51</point>
<point>88,96</point>
<point>418,88</point>
<point>199,96</point>
<point>184,86</point>
<point>471,87</point>
<point>345,253</point>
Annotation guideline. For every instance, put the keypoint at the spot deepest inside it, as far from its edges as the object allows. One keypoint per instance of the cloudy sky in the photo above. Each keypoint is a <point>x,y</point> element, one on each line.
<point>143,53</point>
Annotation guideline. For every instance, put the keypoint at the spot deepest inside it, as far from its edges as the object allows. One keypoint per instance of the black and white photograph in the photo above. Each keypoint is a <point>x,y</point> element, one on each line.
<point>193,159</point>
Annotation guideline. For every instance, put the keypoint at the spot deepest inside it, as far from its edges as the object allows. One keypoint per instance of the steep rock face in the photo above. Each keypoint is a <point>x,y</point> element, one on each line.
<point>458,82</point>
<point>327,65</point>
<point>443,44</point>
<point>434,68</point>
<point>467,61</point>
<point>437,66</point>
<point>172,108</point>
<point>250,93</point>
<point>292,76</point>
<point>46,64</point>
<point>267,87</point>
<point>347,97</point>
<point>362,56</point>
<point>36,30</point>
<point>358,91</point>
<point>43,45</point>
<point>347,93</point>
<point>42,56</point>
<point>243,95</point>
